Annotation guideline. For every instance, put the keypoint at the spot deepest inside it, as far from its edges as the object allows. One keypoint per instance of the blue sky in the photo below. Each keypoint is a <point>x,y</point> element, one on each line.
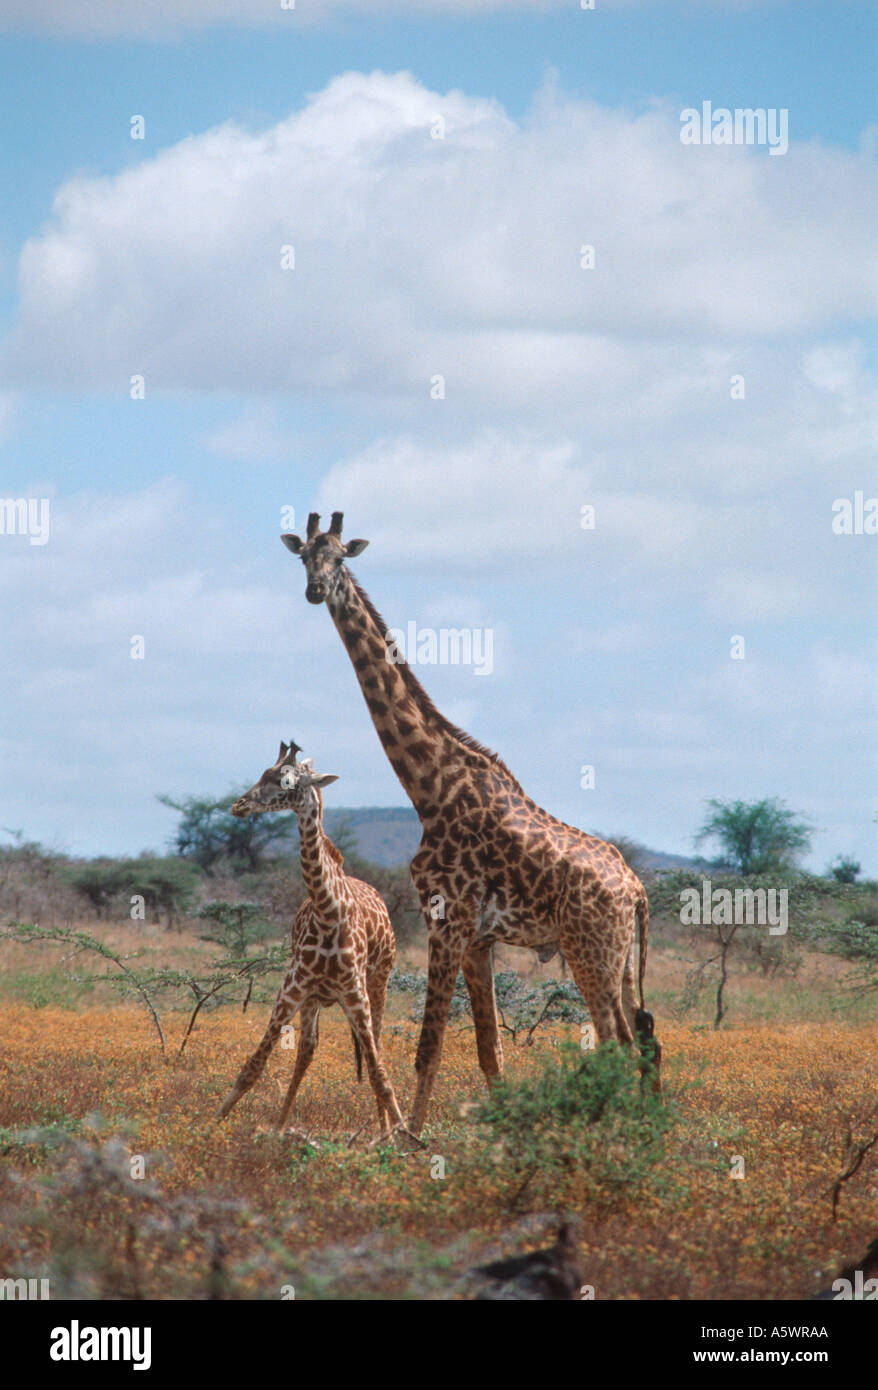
<point>564,387</point>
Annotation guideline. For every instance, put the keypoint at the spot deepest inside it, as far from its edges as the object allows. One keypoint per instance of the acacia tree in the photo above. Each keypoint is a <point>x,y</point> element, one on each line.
<point>756,837</point>
<point>209,832</point>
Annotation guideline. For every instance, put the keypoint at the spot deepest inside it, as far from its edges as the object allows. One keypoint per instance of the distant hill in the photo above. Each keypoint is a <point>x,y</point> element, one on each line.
<point>389,835</point>
<point>657,859</point>
<point>386,835</point>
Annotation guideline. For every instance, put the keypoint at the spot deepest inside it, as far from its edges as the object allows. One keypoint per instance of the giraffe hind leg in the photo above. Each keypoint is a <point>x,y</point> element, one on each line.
<point>629,992</point>
<point>478,972</point>
<point>360,1018</point>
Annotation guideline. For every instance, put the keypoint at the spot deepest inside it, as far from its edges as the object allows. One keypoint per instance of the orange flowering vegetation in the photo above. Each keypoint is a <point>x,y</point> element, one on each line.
<point>116,1179</point>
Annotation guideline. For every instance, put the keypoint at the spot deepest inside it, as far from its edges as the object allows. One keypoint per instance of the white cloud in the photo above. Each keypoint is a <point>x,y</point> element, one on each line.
<point>108,573</point>
<point>252,437</point>
<point>90,734</point>
<point>595,661</point>
<point>469,505</point>
<point>155,18</point>
<point>836,367</point>
<point>564,387</point>
<point>458,256</point>
<point>500,502</point>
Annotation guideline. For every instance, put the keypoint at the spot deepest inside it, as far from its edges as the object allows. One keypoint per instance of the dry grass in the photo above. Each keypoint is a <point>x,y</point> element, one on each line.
<point>233,1210</point>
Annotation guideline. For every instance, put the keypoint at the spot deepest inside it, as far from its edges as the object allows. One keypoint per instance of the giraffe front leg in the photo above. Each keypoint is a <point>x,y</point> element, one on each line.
<point>308,1039</point>
<point>444,963</point>
<point>478,971</point>
<point>287,1003</point>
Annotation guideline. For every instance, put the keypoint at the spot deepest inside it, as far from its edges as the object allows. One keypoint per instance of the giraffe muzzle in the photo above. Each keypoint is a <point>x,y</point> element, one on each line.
<point>315,593</point>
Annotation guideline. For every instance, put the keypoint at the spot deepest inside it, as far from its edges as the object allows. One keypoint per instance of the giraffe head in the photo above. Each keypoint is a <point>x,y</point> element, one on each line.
<point>323,554</point>
<point>285,786</point>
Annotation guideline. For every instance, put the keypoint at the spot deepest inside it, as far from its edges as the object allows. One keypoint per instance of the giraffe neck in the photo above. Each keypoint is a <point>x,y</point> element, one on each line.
<point>322,873</point>
<point>415,740</point>
<point>426,751</point>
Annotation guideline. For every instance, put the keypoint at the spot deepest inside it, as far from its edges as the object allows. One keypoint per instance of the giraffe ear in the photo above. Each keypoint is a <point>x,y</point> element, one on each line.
<point>322,779</point>
<point>293,543</point>
<point>355,548</point>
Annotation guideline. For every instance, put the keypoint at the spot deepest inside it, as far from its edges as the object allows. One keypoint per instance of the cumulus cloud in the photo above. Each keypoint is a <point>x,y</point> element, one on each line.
<point>92,735</point>
<point>460,257</point>
<point>718,516</point>
<point>109,571</point>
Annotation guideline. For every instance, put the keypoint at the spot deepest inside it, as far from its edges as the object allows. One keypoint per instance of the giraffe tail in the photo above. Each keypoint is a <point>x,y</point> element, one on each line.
<point>641,910</point>
<point>358,1053</point>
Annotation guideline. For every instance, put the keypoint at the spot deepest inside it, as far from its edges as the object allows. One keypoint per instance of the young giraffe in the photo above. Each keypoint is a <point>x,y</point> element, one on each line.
<point>343,942</point>
<point>491,865</point>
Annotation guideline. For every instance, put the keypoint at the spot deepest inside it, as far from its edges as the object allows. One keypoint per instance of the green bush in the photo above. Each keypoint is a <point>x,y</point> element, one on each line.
<point>844,869</point>
<point>857,938</point>
<point>167,885</point>
<point>584,1126</point>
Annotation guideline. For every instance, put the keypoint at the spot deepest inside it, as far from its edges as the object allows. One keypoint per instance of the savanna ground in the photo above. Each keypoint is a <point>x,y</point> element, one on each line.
<point>88,1101</point>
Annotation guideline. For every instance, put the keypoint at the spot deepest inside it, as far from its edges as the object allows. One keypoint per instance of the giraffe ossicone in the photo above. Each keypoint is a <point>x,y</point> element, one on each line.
<point>503,868</point>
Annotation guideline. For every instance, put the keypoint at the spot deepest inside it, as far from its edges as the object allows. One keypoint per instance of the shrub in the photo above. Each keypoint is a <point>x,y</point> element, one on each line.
<point>585,1123</point>
<point>857,938</point>
<point>844,869</point>
<point>167,885</point>
<point>523,1007</point>
<point>34,882</point>
<point>415,984</point>
<point>235,926</point>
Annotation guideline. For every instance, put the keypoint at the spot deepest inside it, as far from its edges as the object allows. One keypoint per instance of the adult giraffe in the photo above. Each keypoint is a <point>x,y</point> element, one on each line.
<point>491,865</point>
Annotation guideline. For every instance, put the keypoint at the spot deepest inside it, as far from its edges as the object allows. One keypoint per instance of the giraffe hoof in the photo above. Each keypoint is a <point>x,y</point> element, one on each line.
<point>401,1132</point>
<point>355,1136</point>
<point>303,1136</point>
